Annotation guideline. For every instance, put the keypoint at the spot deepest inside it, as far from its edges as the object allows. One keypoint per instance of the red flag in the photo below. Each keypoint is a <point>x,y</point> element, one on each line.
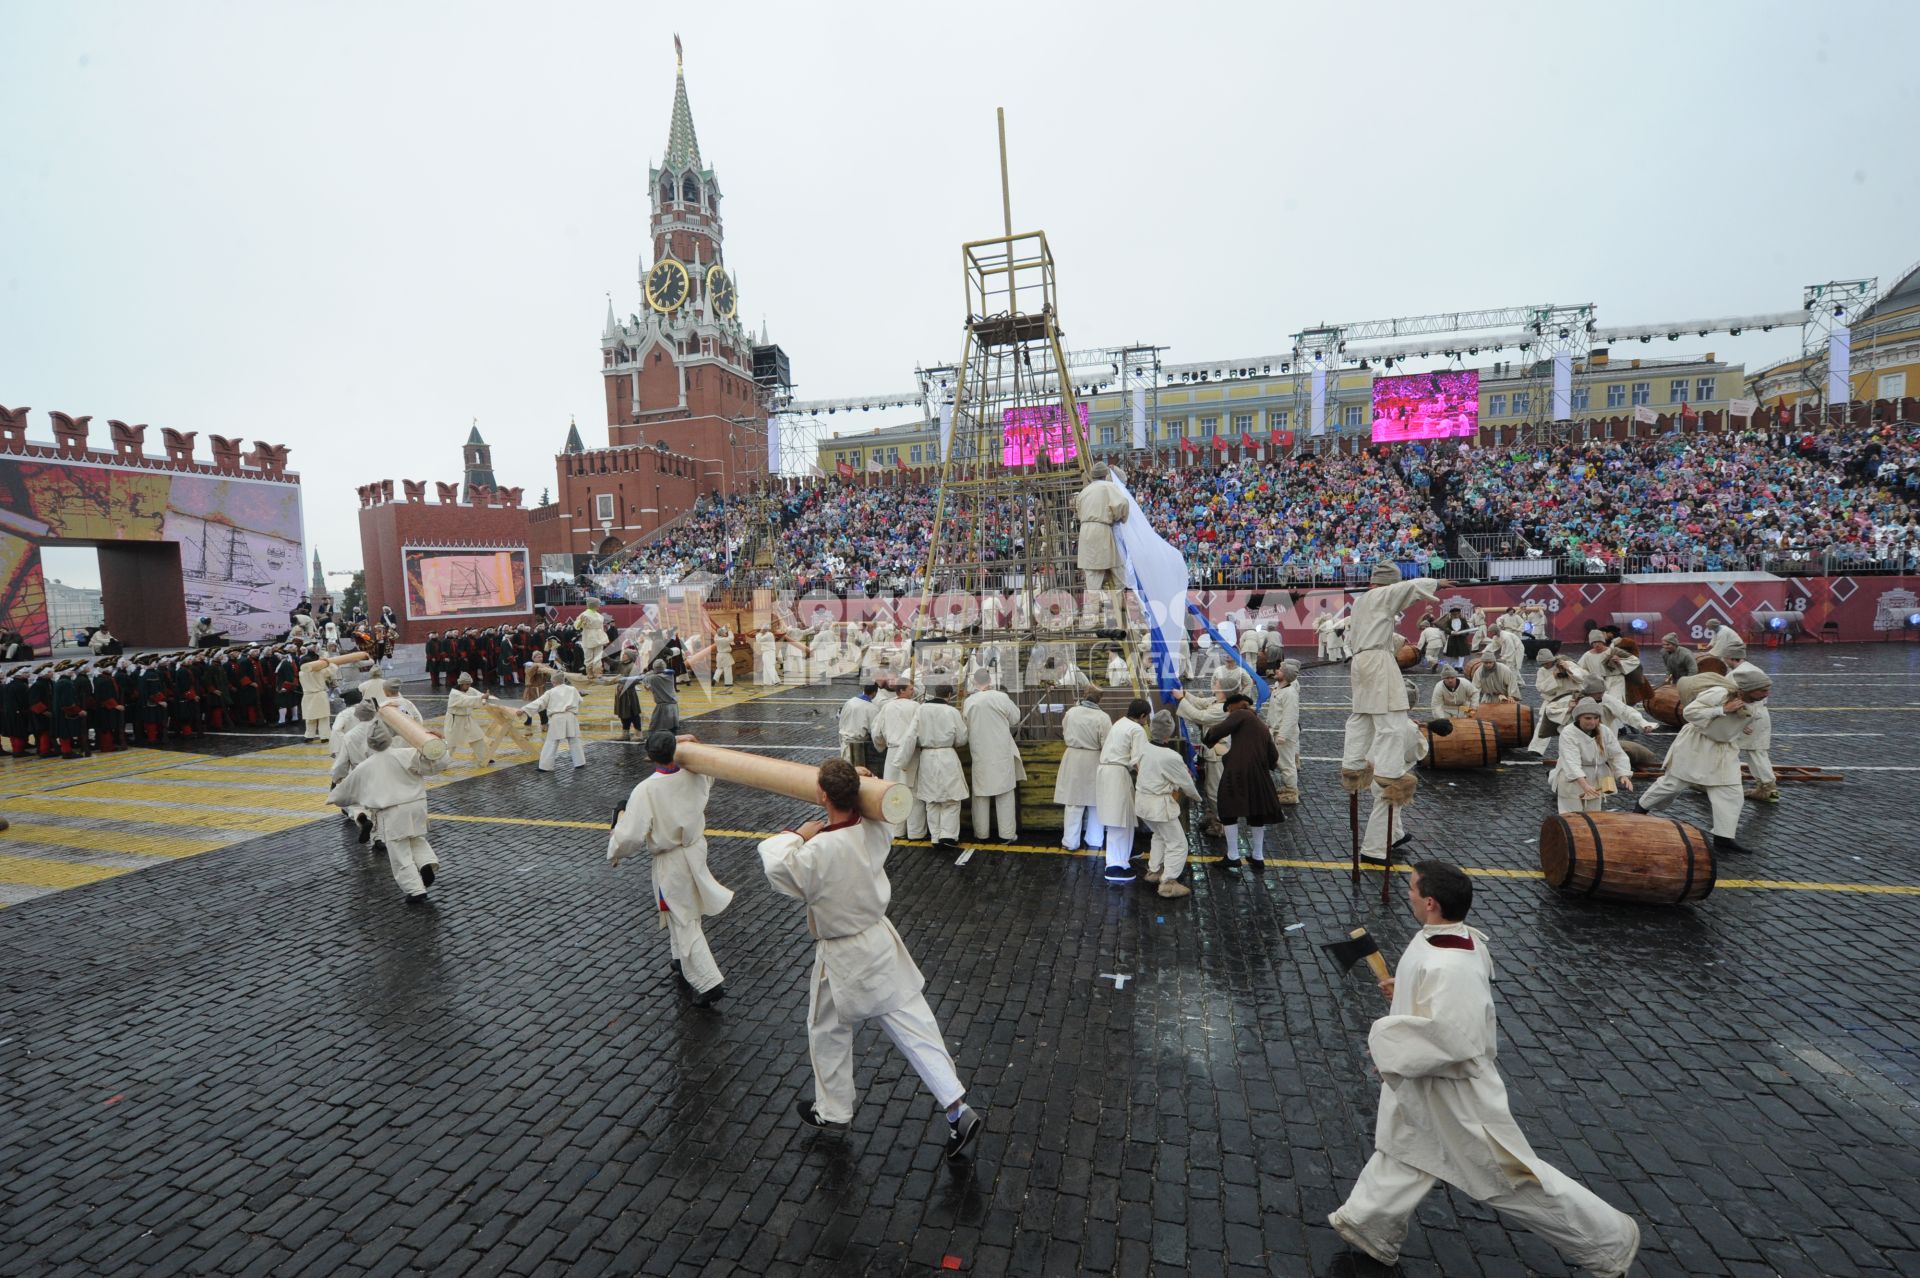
<point>1188,446</point>
<point>1687,414</point>
<point>900,464</point>
<point>1281,438</point>
<point>1786,414</point>
<point>1220,443</point>
<point>846,471</point>
<point>1246,440</point>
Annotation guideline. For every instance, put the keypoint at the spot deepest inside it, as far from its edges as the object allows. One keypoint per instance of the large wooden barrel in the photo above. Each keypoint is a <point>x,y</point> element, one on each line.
<point>1512,720</point>
<point>1622,856</point>
<point>1664,705</point>
<point>1712,665</point>
<point>1407,655</point>
<point>1472,667</point>
<point>1638,689</point>
<point>1473,743</point>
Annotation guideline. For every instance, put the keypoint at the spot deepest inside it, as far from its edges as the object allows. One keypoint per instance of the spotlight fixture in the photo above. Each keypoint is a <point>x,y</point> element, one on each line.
<point>1735,332</point>
<point>1673,337</point>
<point>1638,623</point>
<point>1563,332</point>
<point>1913,621</point>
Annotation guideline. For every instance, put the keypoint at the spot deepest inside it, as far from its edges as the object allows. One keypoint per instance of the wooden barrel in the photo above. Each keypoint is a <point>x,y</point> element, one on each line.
<point>1472,667</point>
<point>1512,720</point>
<point>1407,655</point>
<point>1638,689</point>
<point>1712,665</point>
<point>1473,743</point>
<point>1664,705</point>
<point>1622,856</point>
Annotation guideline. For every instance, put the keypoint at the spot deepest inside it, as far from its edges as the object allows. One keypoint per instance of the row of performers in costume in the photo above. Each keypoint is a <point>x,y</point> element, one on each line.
<point>1448,639</point>
<point>836,867</point>
<point>75,707</point>
<point>589,644</point>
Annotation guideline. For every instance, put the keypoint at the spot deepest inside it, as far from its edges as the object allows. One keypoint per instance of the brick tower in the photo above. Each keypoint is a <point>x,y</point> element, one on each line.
<point>680,370</point>
<point>477,460</point>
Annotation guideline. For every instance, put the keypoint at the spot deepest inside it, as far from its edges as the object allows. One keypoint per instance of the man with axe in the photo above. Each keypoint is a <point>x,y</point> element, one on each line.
<point>1443,1107</point>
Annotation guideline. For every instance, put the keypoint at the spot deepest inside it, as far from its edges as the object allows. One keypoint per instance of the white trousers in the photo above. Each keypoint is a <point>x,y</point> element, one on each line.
<point>1288,766</point>
<point>1725,800</point>
<point>1256,842</point>
<point>1003,809</point>
<point>1582,1227</point>
<point>1373,842</point>
<point>1168,855</point>
<point>592,653</point>
<point>1760,763</point>
<point>550,753</point>
<point>830,1045</point>
<point>1070,835</point>
<point>723,675</point>
<point>1570,799</point>
<point>405,856</point>
<point>320,729</point>
<point>1363,731</point>
<point>688,942</point>
<point>1211,770</point>
<point>1119,846</point>
<point>941,818</point>
<point>1618,712</point>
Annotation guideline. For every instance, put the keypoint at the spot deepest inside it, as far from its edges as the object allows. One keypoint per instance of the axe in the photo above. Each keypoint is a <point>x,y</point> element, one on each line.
<point>1360,945</point>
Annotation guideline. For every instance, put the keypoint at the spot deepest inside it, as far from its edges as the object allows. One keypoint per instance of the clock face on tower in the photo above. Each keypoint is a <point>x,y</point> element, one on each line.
<point>667,285</point>
<point>720,289</point>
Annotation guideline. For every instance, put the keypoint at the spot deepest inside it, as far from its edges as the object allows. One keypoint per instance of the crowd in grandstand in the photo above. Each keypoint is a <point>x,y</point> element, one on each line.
<point>1676,503</point>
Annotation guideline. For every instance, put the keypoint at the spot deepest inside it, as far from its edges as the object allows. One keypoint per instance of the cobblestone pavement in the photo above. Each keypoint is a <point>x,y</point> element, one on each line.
<point>257,1060</point>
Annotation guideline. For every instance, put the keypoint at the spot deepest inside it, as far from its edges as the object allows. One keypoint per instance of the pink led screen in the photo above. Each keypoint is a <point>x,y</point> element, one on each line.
<point>1437,405</point>
<point>1030,434</point>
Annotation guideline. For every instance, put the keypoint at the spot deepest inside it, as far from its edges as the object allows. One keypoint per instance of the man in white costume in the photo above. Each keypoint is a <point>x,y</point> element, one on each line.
<point>1592,764</point>
<point>1560,683</point>
<point>1125,746</point>
<point>1756,747</point>
<point>349,746</point>
<point>386,692</point>
<point>723,655</point>
<point>1679,662</point>
<point>591,625</point>
<point>939,782</point>
<point>856,721</point>
<point>1084,727</point>
<point>562,704</point>
<point>1098,507</point>
<point>1443,1107</point>
<point>315,678</point>
<point>1162,779</point>
<point>991,717</point>
<point>1203,711</point>
<point>765,672</point>
<point>1727,645</point>
<point>1281,714</point>
<point>892,731</point>
<point>1398,747</point>
<point>861,968</point>
<point>666,816</point>
<point>459,728</point>
<point>1453,697</point>
<point>387,783</point>
<point>1379,692</point>
<point>1706,754</point>
<point>1607,668</point>
<point>1431,643</point>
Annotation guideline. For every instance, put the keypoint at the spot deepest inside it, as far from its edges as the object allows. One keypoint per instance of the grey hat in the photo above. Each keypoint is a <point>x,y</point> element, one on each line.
<point>1160,727</point>
<point>1100,470</point>
<point>379,737</point>
<point>1587,706</point>
<point>1384,574</point>
<point>1669,637</point>
<point>465,680</point>
<point>1291,669</point>
<point>1750,678</point>
<point>364,711</point>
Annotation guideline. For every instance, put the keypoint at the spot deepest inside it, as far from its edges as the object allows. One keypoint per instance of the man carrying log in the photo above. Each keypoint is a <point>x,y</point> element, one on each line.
<point>463,702</point>
<point>666,815</point>
<point>1443,1107</point>
<point>388,785</point>
<point>861,968</point>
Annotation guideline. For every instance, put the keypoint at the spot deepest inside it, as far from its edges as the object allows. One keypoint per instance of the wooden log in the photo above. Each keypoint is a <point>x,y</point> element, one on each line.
<point>1664,705</point>
<point>431,744</point>
<point>879,800</point>
<point>1622,856</point>
<point>341,659</point>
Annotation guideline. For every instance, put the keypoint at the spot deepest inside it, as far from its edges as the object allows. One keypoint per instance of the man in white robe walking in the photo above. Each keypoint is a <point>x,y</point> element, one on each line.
<point>997,769</point>
<point>1443,1107</point>
<point>1084,728</point>
<point>388,784</point>
<point>861,968</point>
<point>1706,754</point>
<point>459,726</point>
<point>562,704</point>
<point>591,625</point>
<point>316,677</point>
<point>1113,784</point>
<point>666,815</point>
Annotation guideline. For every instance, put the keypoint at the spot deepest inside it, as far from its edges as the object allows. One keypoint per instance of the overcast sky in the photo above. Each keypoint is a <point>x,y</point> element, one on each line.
<point>355,227</point>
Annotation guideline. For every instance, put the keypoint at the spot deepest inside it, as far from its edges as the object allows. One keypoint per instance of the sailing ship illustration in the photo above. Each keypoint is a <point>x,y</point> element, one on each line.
<point>221,553</point>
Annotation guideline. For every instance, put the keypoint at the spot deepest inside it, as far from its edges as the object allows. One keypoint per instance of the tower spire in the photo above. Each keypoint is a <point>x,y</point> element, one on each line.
<point>683,148</point>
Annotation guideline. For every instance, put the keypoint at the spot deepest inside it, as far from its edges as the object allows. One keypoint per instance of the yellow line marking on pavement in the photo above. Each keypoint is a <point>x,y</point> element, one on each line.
<point>93,839</point>
<point>169,813</point>
<point>211,794</point>
<point>52,874</point>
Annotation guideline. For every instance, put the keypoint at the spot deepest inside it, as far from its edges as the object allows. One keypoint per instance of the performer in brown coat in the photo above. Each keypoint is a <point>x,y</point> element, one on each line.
<point>1247,793</point>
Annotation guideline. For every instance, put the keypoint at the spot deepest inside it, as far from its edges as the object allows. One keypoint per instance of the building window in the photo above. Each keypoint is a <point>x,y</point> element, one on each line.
<point>1522,402</point>
<point>933,453</point>
<point>1642,393</point>
<point>666,190</point>
<point>1616,395</point>
<point>1243,425</point>
<point>1893,385</point>
<point>1703,391</point>
<point>690,189</point>
<point>1277,419</point>
<point>1582,398</point>
<point>913,454</point>
<point>603,507</point>
<point>1353,417</point>
<point>1177,428</point>
<point>1106,434</point>
<point>854,458</point>
<point>1497,405</point>
<point>1208,425</point>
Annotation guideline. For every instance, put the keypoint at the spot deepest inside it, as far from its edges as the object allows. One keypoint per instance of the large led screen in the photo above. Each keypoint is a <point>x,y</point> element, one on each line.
<point>1440,405</point>
<point>1030,434</point>
<point>445,582</point>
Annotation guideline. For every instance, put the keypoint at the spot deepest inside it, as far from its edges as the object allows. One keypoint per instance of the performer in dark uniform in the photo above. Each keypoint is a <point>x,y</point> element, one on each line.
<point>1247,792</point>
<point>286,685</point>
<point>40,709</point>
<point>436,659</point>
<point>155,690</point>
<point>70,712</point>
<point>105,714</point>
<point>16,725</point>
